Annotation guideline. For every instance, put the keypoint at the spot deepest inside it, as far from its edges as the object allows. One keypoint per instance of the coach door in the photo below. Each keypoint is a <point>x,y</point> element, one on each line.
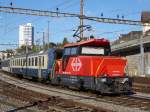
<point>39,67</point>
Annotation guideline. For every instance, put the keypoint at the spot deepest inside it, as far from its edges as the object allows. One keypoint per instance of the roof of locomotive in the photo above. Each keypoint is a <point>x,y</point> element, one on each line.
<point>91,42</point>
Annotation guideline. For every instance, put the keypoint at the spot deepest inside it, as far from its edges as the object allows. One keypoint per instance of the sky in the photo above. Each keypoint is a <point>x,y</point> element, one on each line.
<point>61,27</point>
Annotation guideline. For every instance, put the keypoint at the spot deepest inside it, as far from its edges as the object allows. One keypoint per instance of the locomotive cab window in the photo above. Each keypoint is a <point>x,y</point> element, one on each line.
<point>93,50</point>
<point>90,50</point>
<point>71,51</point>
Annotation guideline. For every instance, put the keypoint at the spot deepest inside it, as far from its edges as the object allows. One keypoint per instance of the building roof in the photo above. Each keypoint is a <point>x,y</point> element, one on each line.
<point>128,37</point>
<point>145,17</point>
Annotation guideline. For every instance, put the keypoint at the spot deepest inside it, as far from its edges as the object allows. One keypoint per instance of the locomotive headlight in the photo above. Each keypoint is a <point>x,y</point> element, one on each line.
<point>103,80</point>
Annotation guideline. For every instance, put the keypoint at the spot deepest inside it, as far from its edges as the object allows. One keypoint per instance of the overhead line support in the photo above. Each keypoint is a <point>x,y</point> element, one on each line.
<point>61,14</point>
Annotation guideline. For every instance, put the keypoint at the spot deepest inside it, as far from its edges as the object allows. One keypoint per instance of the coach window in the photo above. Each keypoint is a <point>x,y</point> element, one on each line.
<point>19,62</point>
<point>35,61</point>
<point>29,62</point>
<point>43,61</point>
<point>32,61</point>
<point>24,62</point>
<point>40,61</point>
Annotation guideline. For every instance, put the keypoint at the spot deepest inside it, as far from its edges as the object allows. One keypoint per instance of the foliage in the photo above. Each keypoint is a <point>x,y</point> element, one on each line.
<point>23,49</point>
<point>65,41</point>
<point>36,48</point>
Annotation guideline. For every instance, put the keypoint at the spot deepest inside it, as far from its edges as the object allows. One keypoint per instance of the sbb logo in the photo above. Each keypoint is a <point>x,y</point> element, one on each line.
<point>76,64</point>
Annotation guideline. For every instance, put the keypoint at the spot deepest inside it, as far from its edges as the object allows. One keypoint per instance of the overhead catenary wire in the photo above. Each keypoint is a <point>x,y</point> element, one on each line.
<point>37,19</point>
<point>62,14</point>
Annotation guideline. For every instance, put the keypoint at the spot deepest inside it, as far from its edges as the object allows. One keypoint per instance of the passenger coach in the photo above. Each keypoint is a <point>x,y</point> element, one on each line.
<point>34,65</point>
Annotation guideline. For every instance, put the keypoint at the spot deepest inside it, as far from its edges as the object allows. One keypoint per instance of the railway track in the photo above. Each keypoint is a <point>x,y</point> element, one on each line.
<point>141,84</point>
<point>42,101</point>
<point>124,103</point>
<point>145,88</point>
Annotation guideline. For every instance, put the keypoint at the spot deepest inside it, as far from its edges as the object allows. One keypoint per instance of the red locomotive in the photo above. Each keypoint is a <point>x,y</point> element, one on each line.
<point>89,65</point>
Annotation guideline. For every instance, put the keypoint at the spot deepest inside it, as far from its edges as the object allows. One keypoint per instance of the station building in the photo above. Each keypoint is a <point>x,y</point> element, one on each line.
<point>129,45</point>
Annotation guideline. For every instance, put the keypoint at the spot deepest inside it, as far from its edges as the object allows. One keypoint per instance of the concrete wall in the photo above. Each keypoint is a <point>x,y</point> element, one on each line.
<point>134,64</point>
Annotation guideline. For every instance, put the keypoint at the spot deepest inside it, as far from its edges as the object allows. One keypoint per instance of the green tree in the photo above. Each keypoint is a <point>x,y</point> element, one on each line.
<point>9,52</point>
<point>65,41</point>
<point>34,48</point>
<point>22,49</point>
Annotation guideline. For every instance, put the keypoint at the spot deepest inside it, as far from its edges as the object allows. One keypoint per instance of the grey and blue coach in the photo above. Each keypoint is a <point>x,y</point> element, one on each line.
<point>34,65</point>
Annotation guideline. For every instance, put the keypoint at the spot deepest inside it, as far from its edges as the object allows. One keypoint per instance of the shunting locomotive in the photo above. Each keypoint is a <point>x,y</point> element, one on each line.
<point>86,65</point>
<point>89,65</point>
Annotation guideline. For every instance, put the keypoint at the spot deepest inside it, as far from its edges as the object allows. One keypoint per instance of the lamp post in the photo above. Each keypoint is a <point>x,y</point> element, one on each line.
<point>26,42</point>
<point>43,38</point>
<point>48,34</point>
<point>142,53</point>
